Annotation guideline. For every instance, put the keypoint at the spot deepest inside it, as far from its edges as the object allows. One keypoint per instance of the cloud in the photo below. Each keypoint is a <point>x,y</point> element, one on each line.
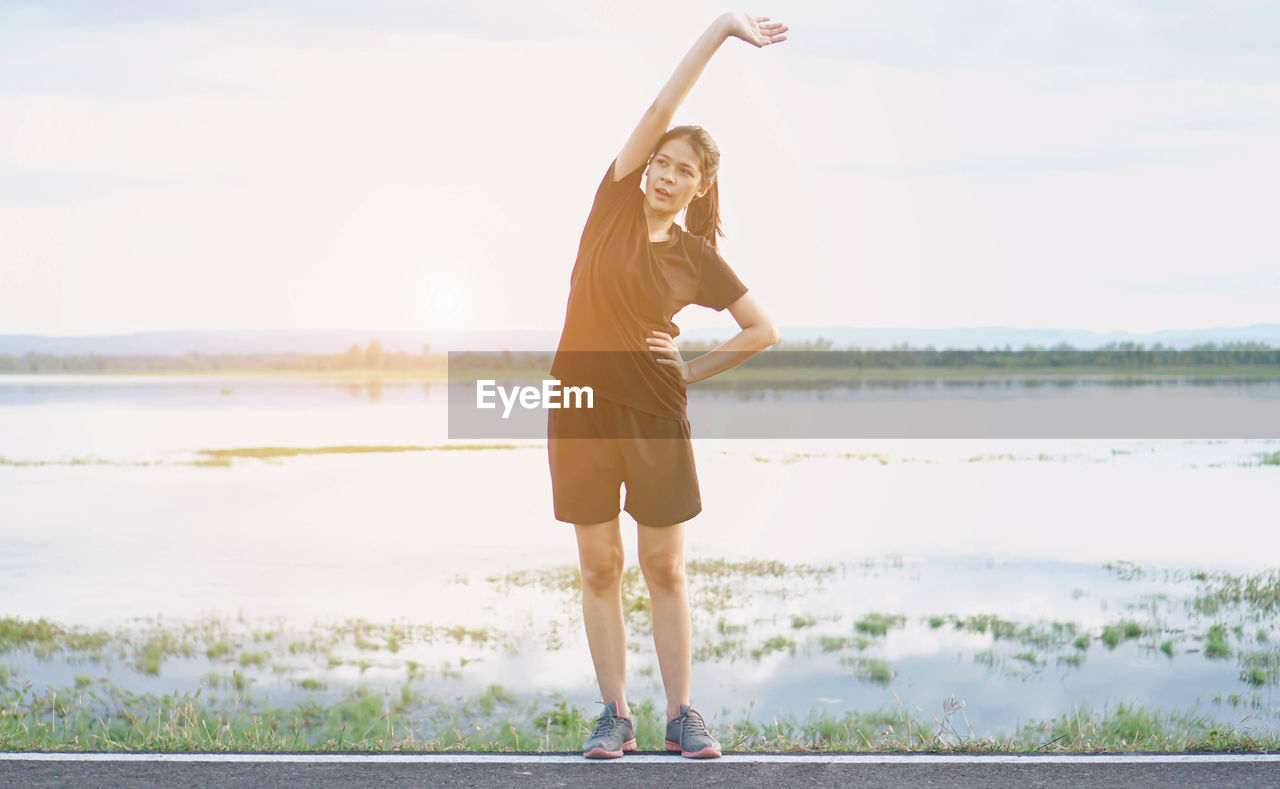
<point>1229,40</point>
<point>926,161</point>
<point>1250,284</point>
<point>1077,161</point>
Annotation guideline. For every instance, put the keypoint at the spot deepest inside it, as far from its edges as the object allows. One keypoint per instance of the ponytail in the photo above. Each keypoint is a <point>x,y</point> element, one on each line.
<point>702,217</point>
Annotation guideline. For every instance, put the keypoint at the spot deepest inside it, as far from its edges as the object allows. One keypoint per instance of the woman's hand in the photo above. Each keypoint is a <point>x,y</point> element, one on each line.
<point>661,344</point>
<point>756,30</point>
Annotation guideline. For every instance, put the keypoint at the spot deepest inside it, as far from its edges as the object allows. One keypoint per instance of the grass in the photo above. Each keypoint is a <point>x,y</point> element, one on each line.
<point>725,627</point>
<point>1256,592</point>
<point>102,717</point>
<point>321,664</point>
<point>834,643</point>
<point>4,461</point>
<point>257,659</point>
<point>878,624</point>
<point>884,459</point>
<point>724,649</point>
<point>1216,643</point>
<point>218,649</point>
<point>774,644</point>
<point>266,453</point>
<point>223,458</point>
<point>871,669</point>
<point>44,638</point>
<point>1113,634</point>
<point>98,716</point>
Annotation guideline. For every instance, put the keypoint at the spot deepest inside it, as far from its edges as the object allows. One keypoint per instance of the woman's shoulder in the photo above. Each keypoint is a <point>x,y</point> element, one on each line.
<point>616,202</point>
<point>696,246</point>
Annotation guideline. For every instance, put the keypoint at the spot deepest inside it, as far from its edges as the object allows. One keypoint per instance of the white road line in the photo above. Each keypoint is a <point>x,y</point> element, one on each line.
<point>501,758</point>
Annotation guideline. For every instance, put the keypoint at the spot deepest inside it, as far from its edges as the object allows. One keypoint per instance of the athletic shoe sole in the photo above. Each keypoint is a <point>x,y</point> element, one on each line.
<point>600,753</point>
<point>706,753</point>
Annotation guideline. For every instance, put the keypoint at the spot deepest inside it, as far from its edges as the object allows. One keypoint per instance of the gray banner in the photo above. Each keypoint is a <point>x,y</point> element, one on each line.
<point>822,399</point>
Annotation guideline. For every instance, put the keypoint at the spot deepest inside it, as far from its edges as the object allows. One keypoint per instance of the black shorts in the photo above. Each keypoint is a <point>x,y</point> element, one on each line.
<point>652,456</point>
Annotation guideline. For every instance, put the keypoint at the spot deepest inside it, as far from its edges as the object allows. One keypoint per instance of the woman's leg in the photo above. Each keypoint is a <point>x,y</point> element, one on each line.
<point>600,559</point>
<point>662,561</point>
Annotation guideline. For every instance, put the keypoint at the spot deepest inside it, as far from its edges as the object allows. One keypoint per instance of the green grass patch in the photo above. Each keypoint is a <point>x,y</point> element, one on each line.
<point>265,453</point>
<point>876,624</point>
<point>218,649</point>
<point>724,649</point>
<point>1114,634</point>
<point>44,638</point>
<point>874,670</point>
<point>986,623</point>
<point>1259,592</point>
<point>725,628</point>
<point>258,659</point>
<point>1215,645</point>
<point>150,653</point>
<point>833,643</point>
<point>1259,666</point>
<point>775,644</point>
<point>401,720</point>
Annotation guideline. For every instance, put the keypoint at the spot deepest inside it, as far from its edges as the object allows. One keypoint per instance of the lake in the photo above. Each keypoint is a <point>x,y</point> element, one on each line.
<point>835,574</point>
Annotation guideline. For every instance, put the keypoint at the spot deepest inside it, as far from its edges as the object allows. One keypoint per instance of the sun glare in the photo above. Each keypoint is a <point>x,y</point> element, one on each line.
<point>443,296</point>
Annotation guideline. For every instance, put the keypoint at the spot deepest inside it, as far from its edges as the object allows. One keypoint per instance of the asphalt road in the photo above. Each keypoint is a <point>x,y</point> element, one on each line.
<point>639,770</point>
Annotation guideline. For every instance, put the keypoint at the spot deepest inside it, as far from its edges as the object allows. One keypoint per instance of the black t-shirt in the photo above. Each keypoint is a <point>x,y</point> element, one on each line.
<point>623,287</point>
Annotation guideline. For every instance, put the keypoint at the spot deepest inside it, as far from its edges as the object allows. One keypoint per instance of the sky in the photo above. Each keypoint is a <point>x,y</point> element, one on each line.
<point>397,165</point>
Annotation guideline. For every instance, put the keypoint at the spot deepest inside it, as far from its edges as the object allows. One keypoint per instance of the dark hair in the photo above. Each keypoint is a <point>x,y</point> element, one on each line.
<point>702,217</point>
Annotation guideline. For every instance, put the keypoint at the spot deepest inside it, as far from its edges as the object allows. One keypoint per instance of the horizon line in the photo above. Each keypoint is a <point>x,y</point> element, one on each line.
<point>781,327</point>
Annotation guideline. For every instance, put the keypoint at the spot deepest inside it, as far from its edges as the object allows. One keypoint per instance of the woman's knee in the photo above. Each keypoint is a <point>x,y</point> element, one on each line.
<point>601,570</point>
<point>663,569</point>
<point>600,557</point>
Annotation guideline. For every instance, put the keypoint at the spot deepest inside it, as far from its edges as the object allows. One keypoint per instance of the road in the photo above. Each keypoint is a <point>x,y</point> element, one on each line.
<point>866,771</point>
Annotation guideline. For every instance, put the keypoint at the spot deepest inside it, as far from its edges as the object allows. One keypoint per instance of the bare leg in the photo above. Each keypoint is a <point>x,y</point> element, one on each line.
<point>600,558</point>
<point>662,561</point>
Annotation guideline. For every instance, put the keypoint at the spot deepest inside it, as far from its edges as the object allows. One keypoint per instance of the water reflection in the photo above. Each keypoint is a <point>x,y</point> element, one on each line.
<point>384,536</point>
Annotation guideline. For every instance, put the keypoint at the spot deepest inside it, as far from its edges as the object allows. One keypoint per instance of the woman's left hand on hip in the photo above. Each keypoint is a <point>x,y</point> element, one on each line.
<point>664,347</point>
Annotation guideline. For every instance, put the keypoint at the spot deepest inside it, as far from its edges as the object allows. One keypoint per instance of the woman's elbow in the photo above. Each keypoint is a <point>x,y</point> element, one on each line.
<point>768,335</point>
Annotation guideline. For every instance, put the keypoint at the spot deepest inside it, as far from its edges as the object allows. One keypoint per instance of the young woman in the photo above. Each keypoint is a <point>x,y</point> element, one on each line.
<point>636,268</point>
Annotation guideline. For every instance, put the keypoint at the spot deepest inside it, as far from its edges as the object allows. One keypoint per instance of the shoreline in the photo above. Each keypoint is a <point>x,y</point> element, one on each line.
<point>749,375</point>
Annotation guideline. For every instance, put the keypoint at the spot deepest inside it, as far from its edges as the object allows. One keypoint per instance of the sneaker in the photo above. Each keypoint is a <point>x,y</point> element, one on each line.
<point>688,734</point>
<point>613,735</point>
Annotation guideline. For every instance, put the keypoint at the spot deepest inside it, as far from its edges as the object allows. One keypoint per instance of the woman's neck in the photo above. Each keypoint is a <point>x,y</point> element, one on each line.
<point>659,225</point>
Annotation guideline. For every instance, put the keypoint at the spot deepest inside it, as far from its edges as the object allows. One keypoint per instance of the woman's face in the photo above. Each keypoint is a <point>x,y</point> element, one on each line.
<point>674,177</point>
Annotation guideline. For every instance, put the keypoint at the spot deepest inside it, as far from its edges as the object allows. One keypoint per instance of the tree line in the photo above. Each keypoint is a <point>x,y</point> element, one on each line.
<point>372,357</point>
<point>806,354</point>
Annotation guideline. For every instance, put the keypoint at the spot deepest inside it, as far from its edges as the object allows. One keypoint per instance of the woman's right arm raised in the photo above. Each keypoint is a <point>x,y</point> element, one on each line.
<point>758,31</point>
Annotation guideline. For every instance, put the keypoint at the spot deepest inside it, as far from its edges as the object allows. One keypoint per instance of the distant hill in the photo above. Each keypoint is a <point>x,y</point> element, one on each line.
<point>325,341</point>
<point>997,337</point>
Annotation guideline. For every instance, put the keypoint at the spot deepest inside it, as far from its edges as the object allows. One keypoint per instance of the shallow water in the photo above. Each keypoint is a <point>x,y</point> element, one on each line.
<point>1015,528</point>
